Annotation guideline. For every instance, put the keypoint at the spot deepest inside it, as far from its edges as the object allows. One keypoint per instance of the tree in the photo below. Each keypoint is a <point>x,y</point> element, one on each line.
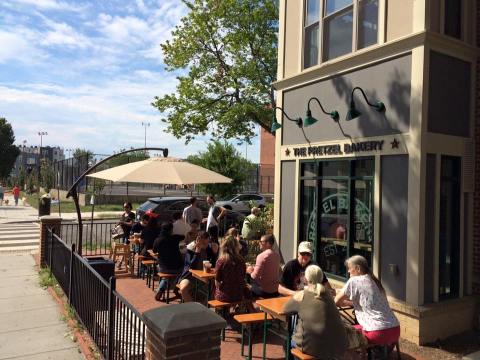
<point>224,159</point>
<point>230,50</point>
<point>80,153</point>
<point>46,175</point>
<point>8,151</point>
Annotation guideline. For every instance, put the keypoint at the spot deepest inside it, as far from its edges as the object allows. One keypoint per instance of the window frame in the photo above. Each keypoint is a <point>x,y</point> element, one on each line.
<point>443,20</point>
<point>323,18</point>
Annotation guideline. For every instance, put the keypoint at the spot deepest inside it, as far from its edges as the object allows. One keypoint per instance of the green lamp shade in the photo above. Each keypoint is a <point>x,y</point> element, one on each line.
<point>352,112</point>
<point>309,120</point>
<point>334,115</point>
<point>380,106</point>
<point>275,126</point>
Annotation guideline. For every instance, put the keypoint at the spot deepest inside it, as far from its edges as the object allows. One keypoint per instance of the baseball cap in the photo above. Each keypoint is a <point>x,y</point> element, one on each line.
<point>305,247</point>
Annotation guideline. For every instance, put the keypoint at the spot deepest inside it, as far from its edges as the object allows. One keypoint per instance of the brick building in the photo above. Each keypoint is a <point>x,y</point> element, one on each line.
<point>395,183</point>
<point>266,169</point>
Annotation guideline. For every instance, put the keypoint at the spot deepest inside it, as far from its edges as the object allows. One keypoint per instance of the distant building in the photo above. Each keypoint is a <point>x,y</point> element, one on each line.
<point>30,157</point>
<point>266,172</point>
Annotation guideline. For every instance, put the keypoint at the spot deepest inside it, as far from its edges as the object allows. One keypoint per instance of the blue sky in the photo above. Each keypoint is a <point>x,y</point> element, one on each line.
<point>87,71</point>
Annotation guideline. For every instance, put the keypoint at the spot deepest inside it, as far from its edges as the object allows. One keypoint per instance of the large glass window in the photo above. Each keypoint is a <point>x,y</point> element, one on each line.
<point>449,241</point>
<point>343,225</point>
<point>331,23</point>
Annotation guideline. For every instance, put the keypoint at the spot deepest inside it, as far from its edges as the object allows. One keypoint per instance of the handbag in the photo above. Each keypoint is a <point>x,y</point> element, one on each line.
<point>117,232</point>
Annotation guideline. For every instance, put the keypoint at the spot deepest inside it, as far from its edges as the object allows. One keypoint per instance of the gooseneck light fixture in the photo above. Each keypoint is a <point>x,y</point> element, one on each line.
<point>310,120</point>
<point>354,113</point>
<point>276,125</point>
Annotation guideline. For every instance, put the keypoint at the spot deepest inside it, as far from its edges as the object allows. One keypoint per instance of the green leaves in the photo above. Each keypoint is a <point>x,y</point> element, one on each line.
<point>224,159</point>
<point>227,53</point>
<point>8,151</point>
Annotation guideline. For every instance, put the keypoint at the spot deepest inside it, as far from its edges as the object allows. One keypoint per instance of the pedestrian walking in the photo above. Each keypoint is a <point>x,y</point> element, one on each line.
<point>2,192</point>
<point>16,193</point>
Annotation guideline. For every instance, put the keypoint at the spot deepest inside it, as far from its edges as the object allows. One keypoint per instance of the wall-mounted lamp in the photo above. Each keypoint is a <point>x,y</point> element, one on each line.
<point>276,125</point>
<point>354,113</point>
<point>310,120</point>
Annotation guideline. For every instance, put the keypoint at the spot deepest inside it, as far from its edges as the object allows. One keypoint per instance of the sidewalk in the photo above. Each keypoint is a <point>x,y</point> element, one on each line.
<point>25,213</point>
<point>30,324</point>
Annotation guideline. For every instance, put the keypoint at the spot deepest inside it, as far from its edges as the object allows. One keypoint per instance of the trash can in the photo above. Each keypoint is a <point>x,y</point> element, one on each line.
<point>44,205</point>
<point>104,267</point>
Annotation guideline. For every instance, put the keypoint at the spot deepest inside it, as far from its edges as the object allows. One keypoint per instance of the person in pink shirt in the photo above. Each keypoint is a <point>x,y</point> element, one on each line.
<point>265,274</point>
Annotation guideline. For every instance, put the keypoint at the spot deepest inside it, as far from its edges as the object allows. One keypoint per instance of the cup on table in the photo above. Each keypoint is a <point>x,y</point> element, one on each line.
<point>207,267</point>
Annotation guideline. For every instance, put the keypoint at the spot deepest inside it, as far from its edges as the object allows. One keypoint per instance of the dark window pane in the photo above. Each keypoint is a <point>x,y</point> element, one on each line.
<point>338,34</point>
<point>312,14</point>
<point>367,23</point>
<point>364,167</point>
<point>311,46</point>
<point>334,226</point>
<point>453,18</point>
<point>449,235</point>
<point>308,216</point>
<point>335,168</point>
<point>363,219</point>
<point>308,169</point>
<point>335,5</point>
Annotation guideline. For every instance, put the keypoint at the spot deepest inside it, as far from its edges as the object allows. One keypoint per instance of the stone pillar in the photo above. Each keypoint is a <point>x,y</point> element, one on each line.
<point>47,221</point>
<point>185,331</point>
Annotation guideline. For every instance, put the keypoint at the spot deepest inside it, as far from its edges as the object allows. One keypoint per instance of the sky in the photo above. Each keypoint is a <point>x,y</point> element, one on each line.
<point>86,73</point>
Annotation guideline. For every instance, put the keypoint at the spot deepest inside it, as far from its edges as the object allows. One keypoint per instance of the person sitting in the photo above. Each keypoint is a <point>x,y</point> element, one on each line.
<point>243,244</point>
<point>191,235</point>
<point>319,331</point>
<point>148,235</point>
<point>249,229</point>
<point>265,273</point>
<point>180,227</point>
<point>170,259</point>
<point>202,250</point>
<point>293,275</point>
<point>230,285</point>
<point>365,292</point>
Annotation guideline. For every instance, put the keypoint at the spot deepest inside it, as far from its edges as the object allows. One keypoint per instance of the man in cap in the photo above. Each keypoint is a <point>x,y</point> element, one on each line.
<point>293,276</point>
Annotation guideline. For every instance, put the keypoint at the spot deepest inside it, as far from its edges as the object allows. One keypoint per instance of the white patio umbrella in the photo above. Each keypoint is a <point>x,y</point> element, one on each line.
<point>159,170</point>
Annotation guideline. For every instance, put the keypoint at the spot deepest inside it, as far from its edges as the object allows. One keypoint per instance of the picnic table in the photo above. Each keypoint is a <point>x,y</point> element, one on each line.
<point>202,277</point>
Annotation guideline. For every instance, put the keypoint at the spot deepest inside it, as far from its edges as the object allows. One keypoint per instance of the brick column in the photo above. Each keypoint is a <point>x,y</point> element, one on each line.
<point>476,194</point>
<point>47,221</point>
<point>184,331</point>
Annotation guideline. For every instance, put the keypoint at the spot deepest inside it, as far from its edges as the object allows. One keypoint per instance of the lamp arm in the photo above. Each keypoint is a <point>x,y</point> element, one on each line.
<point>319,104</point>
<point>364,95</point>
<point>297,121</point>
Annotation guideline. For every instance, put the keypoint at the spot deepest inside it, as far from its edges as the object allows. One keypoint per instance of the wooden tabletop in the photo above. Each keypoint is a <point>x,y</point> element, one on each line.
<point>202,275</point>
<point>274,306</point>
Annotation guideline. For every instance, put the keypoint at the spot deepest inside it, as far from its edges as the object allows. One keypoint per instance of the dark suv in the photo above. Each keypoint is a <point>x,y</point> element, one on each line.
<point>165,207</point>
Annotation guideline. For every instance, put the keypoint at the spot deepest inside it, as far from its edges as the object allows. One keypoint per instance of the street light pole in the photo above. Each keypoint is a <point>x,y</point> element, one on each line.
<point>42,134</point>
<point>145,124</point>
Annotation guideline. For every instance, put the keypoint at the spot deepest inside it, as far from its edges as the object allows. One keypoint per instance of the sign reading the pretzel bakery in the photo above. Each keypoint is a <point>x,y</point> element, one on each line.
<point>337,149</point>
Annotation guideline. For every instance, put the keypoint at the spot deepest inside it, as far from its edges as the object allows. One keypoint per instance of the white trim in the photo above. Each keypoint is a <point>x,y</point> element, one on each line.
<point>377,203</point>
<point>436,244</point>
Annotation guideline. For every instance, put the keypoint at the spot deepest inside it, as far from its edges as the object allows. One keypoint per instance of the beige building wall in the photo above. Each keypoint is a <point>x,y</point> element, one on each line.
<point>293,37</point>
<point>399,21</point>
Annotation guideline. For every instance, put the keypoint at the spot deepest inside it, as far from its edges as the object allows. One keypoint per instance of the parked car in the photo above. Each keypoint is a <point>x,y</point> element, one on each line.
<point>241,202</point>
<point>165,207</point>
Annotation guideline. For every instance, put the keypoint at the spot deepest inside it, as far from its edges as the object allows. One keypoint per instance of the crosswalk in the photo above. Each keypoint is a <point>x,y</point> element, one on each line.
<point>19,237</point>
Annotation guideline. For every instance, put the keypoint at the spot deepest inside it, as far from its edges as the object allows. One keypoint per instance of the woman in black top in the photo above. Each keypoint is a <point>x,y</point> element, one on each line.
<point>170,259</point>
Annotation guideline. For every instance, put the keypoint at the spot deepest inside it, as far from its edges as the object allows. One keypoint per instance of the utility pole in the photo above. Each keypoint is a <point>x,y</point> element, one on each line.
<point>145,125</point>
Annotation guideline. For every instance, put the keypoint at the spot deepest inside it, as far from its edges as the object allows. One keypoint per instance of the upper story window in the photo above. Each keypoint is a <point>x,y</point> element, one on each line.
<point>337,27</point>
<point>453,18</point>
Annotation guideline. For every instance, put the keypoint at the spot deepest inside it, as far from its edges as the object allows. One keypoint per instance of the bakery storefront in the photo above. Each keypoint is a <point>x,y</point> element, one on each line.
<point>394,186</point>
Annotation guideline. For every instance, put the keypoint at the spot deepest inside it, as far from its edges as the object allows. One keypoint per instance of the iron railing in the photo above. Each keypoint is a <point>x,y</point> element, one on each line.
<point>96,236</point>
<point>115,326</point>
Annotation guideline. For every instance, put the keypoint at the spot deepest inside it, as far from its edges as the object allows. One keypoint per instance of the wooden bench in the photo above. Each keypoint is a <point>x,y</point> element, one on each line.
<point>298,354</point>
<point>221,307</point>
<point>247,320</point>
<point>149,264</point>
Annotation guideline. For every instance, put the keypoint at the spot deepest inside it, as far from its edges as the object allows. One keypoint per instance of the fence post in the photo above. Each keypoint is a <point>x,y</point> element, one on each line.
<point>50,247</point>
<point>52,222</point>
<point>111,317</point>
<point>70,279</point>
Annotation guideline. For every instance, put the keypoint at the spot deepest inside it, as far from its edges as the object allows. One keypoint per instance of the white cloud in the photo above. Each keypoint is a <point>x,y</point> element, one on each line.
<point>48,5</point>
<point>64,34</point>
<point>20,46</point>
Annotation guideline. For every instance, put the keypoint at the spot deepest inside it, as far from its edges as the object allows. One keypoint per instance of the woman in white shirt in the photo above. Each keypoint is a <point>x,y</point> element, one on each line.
<point>366,294</point>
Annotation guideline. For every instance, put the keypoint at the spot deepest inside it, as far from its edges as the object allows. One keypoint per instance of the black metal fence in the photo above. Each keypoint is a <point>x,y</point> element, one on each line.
<point>96,236</point>
<point>115,326</point>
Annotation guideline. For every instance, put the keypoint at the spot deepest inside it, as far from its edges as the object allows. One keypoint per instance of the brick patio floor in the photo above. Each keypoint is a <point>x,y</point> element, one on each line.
<point>142,298</point>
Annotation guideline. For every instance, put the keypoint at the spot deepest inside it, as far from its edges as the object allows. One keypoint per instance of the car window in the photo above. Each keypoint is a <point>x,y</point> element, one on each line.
<point>149,205</point>
<point>256,197</point>
<point>202,205</point>
<point>243,198</point>
<point>178,206</point>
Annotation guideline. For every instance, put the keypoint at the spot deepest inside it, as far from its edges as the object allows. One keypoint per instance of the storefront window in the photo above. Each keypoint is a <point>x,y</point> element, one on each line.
<point>340,187</point>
